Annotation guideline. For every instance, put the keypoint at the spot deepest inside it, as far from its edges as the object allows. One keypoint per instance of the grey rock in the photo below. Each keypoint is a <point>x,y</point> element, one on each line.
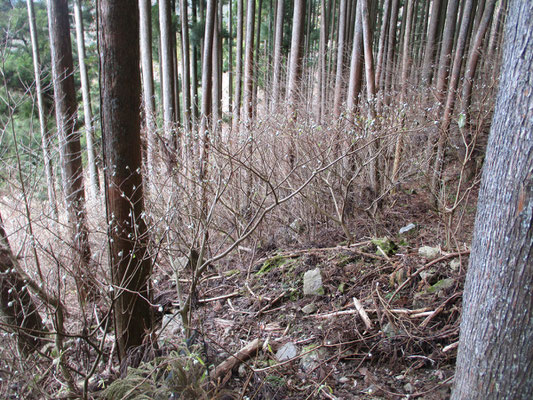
<point>309,309</point>
<point>410,228</point>
<point>455,264</point>
<point>344,379</point>
<point>286,352</point>
<point>313,282</point>
<point>429,252</point>
<point>172,324</point>
<point>408,388</point>
<point>389,330</point>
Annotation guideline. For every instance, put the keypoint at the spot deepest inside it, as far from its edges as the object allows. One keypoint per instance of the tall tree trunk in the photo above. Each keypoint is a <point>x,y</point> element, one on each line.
<point>381,46</point>
<point>446,49</point>
<point>120,93</point>
<point>406,63</point>
<point>356,69</point>
<point>194,72</point>
<point>371,92</point>
<point>238,70</point>
<point>337,99</point>
<point>322,61</point>
<point>207,89</point>
<point>494,359</point>
<point>452,89</point>
<point>296,56</point>
<point>45,134</point>
<point>249,67</point>
<point>276,80</point>
<point>94,181</point>
<point>185,67</point>
<point>230,61</point>
<point>473,58</point>
<point>255,62</point>
<point>429,51</point>
<point>389,69</point>
<point>145,17</point>
<point>167,77</point>
<point>18,309</point>
<point>69,145</point>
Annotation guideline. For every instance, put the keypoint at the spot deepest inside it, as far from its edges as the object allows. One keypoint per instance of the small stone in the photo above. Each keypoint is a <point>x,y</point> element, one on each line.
<point>407,229</point>
<point>408,387</point>
<point>243,370</point>
<point>309,309</point>
<point>455,264</point>
<point>399,377</point>
<point>344,379</point>
<point>429,252</point>
<point>389,330</point>
<point>311,360</point>
<point>313,282</point>
<point>286,352</point>
<point>441,285</point>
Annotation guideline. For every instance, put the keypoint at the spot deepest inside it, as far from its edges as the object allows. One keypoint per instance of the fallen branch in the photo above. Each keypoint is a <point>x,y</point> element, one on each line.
<point>225,296</point>
<point>450,347</point>
<point>364,316</point>
<point>403,311</point>
<point>239,357</point>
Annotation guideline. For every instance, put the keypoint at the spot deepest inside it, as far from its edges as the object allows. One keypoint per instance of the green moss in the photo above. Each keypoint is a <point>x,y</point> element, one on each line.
<point>232,272</point>
<point>385,244</point>
<point>271,263</point>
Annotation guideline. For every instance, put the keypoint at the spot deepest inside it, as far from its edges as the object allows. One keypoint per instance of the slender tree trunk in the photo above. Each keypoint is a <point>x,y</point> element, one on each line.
<point>145,16</point>
<point>207,89</point>
<point>185,67</point>
<point>276,80</point>
<point>371,92</point>
<point>429,52</point>
<point>69,144</point>
<point>473,58</point>
<point>18,309</point>
<point>494,358</point>
<point>120,98</point>
<point>406,63</point>
<point>194,73</point>
<point>337,99</point>
<point>167,77</point>
<point>322,61</point>
<point>238,71</point>
<point>45,134</point>
<point>296,56</point>
<point>381,46</point>
<point>255,62</point>
<point>452,89</point>
<point>94,181</point>
<point>389,69</point>
<point>446,49</point>
<point>249,67</point>
<point>230,61</point>
<point>356,69</point>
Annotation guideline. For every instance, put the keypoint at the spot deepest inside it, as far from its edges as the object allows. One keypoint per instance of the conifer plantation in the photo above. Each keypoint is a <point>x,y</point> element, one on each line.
<point>266,199</point>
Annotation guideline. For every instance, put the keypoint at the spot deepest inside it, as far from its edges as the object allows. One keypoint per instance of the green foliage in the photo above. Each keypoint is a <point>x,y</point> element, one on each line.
<point>271,263</point>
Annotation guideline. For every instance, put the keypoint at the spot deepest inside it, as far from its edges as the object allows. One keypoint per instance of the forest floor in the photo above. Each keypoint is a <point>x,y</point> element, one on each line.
<point>384,324</point>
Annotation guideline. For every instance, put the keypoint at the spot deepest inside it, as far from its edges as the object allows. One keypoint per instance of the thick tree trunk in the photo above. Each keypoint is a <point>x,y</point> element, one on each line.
<point>145,20</point>
<point>391,43</point>
<point>494,359</point>
<point>381,46</point>
<point>69,144</point>
<point>45,134</point>
<point>356,69</point>
<point>18,309</point>
<point>120,91</point>
<point>94,180</point>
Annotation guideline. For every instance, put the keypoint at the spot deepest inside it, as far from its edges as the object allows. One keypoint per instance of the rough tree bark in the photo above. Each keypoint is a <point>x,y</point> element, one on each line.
<point>69,145</point>
<point>296,55</point>
<point>337,98</point>
<point>495,355</point>
<point>120,92</point>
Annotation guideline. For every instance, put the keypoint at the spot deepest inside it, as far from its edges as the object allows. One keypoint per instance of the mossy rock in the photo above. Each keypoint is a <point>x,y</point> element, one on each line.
<point>386,245</point>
